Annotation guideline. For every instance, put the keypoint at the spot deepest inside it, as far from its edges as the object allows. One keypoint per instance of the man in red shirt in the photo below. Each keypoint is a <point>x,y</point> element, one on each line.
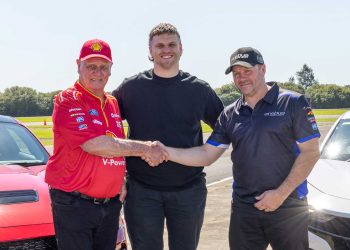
<point>87,168</point>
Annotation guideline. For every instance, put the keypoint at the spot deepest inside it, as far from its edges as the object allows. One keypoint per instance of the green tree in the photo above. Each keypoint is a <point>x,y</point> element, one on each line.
<point>291,79</point>
<point>329,96</point>
<point>19,101</point>
<point>227,93</point>
<point>2,104</point>
<point>306,77</point>
<point>23,101</point>
<point>45,102</point>
<point>292,86</point>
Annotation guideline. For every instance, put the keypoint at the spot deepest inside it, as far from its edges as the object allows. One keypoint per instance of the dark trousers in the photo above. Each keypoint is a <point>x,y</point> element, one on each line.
<point>81,224</point>
<point>284,229</point>
<point>146,209</point>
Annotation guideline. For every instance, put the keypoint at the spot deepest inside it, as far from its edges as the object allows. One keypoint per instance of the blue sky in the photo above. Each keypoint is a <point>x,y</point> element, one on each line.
<point>40,40</point>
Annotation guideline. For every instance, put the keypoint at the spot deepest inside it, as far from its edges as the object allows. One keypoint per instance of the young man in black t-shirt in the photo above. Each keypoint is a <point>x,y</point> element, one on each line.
<point>168,105</point>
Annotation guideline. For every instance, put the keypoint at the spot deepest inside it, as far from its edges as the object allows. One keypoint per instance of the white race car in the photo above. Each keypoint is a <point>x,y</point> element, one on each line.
<point>329,188</point>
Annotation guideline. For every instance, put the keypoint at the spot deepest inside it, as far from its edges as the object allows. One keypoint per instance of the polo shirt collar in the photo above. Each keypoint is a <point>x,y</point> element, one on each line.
<point>270,96</point>
<point>81,88</point>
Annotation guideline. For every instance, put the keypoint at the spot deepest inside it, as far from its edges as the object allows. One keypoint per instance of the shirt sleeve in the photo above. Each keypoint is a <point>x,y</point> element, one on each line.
<point>219,137</point>
<point>304,122</point>
<point>118,94</point>
<point>71,120</point>
<point>213,108</point>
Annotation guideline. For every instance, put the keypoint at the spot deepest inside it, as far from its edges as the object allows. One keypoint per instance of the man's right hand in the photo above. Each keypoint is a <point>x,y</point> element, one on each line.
<point>156,154</point>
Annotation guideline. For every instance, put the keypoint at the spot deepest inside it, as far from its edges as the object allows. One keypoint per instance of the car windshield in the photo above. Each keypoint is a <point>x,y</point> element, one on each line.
<point>19,146</point>
<point>337,146</point>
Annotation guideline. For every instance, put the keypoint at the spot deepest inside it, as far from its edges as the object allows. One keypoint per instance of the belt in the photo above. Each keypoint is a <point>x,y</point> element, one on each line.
<point>96,201</point>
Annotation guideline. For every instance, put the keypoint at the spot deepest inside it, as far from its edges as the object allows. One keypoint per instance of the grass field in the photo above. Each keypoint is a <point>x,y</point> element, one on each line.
<point>35,119</point>
<point>318,112</point>
<point>44,133</point>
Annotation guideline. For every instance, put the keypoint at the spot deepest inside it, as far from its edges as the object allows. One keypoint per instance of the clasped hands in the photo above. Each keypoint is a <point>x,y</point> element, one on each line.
<point>156,154</point>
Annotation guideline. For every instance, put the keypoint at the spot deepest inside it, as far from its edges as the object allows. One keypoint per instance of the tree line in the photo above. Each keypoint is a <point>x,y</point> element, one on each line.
<point>323,96</point>
<point>25,101</point>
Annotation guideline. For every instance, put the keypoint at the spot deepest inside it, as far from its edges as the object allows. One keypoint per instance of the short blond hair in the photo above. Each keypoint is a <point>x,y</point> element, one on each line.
<point>163,28</point>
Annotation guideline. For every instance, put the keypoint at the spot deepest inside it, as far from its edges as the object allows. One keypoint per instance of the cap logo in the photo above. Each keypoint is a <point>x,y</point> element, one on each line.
<point>96,47</point>
<point>240,56</point>
<point>260,59</point>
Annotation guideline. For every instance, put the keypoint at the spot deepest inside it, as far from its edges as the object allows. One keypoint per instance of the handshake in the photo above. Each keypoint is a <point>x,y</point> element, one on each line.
<point>156,153</point>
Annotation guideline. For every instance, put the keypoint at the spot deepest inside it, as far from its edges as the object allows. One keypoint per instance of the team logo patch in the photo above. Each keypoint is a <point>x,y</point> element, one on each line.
<point>115,115</point>
<point>112,162</point>
<point>311,119</point>
<point>76,95</point>
<point>93,112</point>
<point>310,113</point>
<point>76,114</point>
<point>96,47</point>
<point>119,125</point>
<point>96,122</point>
<point>314,126</point>
<point>79,119</point>
<point>110,134</point>
<point>74,109</point>
<point>82,126</point>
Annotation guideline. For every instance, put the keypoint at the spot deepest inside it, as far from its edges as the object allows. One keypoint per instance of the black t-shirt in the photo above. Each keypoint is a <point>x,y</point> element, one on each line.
<point>264,141</point>
<point>169,110</point>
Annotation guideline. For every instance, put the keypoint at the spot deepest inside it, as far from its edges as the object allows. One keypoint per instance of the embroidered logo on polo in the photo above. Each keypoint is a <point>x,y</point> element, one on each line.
<point>113,115</point>
<point>96,122</point>
<point>311,117</point>
<point>310,113</point>
<point>76,114</point>
<point>76,95</point>
<point>74,109</point>
<point>79,119</point>
<point>82,126</point>
<point>274,114</point>
<point>93,112</point>
<point>112,162</point>
<point>308,110</point>
<point>110,134</point>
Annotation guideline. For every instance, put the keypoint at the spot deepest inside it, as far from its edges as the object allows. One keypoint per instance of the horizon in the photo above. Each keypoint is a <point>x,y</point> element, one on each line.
<point>41,40</point>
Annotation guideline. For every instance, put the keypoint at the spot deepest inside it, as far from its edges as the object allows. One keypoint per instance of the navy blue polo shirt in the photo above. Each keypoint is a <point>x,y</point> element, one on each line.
<point>264,141</point>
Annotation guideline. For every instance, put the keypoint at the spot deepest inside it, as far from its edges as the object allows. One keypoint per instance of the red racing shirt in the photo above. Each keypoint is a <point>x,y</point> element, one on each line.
<point>79,116</point>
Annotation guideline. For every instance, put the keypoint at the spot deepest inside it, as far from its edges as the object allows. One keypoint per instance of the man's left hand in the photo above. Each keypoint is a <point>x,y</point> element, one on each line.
<point>123,192</point>
<point>269,201</point>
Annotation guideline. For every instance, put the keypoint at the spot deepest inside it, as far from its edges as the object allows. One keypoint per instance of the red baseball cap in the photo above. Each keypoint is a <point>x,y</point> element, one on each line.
<point>95,48</point>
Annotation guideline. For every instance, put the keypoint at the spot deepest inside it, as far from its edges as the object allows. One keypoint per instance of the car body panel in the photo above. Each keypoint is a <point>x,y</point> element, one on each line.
<point>329,187</point>
<point>327,203</point>
<point>24,219</point>
<point>328,174</point>
<point>15,233</point>
<point>317,243</point>
<point>14,177</point>
<point>25,206</point>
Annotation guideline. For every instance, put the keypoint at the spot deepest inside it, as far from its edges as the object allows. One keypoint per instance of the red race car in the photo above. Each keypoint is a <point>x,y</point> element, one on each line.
<point>25,210</point>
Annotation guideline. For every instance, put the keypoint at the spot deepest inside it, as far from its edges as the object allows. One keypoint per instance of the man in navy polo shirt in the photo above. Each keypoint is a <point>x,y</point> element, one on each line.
<point>274,138</point>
